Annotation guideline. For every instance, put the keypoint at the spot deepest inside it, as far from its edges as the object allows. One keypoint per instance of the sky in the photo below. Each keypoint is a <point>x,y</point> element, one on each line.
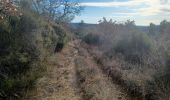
<point>142,12</point>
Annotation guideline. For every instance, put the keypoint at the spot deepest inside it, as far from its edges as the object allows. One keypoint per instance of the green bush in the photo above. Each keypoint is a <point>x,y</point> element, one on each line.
<point>17,53</point>
<point>80,34</point>
<point>22,53</point>
<point>133,46</point>
<point>28,22</point>
<point>62,37</point>
<point>91,39</point>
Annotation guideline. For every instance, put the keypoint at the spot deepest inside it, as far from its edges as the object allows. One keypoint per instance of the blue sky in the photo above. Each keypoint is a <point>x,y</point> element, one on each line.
<point>142,11</point>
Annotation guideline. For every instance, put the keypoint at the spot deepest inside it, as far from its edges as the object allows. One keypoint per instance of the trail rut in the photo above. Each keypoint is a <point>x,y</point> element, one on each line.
<point>74,75</point>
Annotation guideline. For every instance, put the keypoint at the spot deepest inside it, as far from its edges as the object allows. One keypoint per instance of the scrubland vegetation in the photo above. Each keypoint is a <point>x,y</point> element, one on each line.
<point>101,59</point>
<point>137,60</point>
<point>29,34</point>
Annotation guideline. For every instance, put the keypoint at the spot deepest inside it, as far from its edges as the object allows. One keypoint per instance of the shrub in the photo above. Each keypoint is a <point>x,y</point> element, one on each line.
<point>62,38</point>
<point>133,46</point>
<point>91,39</point>
<point>80,34</point>
<point>22,58</point>
<point>28,22</point>
<point>17,55</point>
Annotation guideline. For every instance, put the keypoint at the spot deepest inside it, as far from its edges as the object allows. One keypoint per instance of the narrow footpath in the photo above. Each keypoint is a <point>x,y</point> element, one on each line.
<point>72,74</point>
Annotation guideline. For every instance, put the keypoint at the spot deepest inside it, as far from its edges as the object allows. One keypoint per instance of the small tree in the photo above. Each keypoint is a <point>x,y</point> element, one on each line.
<point>81,22</point>
<point>130,24</point>
<point>152,29</point>
<point>163,25</point>
<point>58,10</point>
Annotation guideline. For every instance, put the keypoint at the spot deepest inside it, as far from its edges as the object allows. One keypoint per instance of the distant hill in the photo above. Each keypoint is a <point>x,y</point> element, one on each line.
<point>86,25</point>
<point>144,29</point>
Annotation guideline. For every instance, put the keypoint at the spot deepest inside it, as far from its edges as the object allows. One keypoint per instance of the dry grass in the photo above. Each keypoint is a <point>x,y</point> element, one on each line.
<point>94,84</point>
<point>139,72</point>
<point>137,80</point>
<point>57,84</point>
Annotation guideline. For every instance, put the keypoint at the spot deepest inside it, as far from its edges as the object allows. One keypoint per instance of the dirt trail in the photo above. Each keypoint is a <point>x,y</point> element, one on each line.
<point>94,84</point>
<point>74,75</point>
<point>60,81</point>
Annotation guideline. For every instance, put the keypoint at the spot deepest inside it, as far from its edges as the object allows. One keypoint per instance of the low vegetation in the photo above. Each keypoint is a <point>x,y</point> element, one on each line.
<point>91,39</point>
<point>27,39</point>
<point>135,58</point>
<point>133,46</point>
<point>137,61</point>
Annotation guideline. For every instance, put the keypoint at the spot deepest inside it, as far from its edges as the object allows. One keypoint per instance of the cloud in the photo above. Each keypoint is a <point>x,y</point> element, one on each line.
<point>110,4</point>
<point>142,11</point>
<point>141,7</point>
<point>164,1</point>
<point>165,10</point>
